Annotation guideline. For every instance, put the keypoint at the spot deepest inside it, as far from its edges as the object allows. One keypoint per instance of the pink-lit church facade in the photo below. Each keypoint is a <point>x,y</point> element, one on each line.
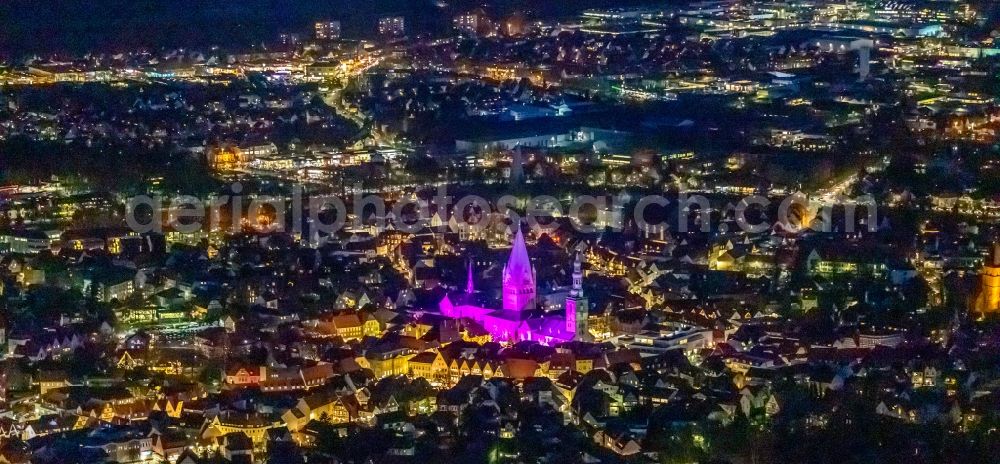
<point>517,319</point>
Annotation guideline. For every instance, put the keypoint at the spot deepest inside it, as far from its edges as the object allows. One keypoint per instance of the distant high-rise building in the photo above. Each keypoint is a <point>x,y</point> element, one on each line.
<point>328,30</point>
<point>469,22</point>
<point>392,26</point>
<point>289,39</point>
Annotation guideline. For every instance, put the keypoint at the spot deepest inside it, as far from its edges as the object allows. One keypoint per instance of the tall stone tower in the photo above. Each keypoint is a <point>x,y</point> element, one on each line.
<point>517,166</point>
<point>864,62</point>
<point>519,278</point>
<point>577,307</point>
<point>988,297</point>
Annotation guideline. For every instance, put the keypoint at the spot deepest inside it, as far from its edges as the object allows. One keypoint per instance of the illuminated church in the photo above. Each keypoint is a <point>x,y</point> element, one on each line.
<point>987,299</point>
<point>518,318</point>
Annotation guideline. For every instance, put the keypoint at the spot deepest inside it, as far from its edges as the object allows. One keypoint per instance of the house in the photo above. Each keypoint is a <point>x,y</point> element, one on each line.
<point>54,423</point>
<point>170,407</point>
<point>427,365</point>
<point>226,423</point>
<point>246,375</point>
<point>127,447</point>
<point>170,444</point>
<point>188,456</point>
<point>50,380</point>
<point>455,399</point>
<point>346,326</point>
<point>303,378</point>
<point>622,443</point>
<point>237,446</point>
<point>325,405</point>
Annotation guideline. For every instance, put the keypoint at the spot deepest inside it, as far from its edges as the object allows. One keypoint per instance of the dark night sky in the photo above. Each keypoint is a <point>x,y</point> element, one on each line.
<point>42,26</point>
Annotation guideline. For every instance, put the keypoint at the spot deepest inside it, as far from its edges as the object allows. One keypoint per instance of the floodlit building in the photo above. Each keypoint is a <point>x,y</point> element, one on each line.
<point>518,319</point>
<point>987,299</point>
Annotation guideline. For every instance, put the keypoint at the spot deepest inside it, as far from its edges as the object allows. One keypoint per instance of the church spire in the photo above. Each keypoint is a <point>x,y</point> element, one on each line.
<point>518,277</point>
<point>519,264</point>
<point>470,286</point>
